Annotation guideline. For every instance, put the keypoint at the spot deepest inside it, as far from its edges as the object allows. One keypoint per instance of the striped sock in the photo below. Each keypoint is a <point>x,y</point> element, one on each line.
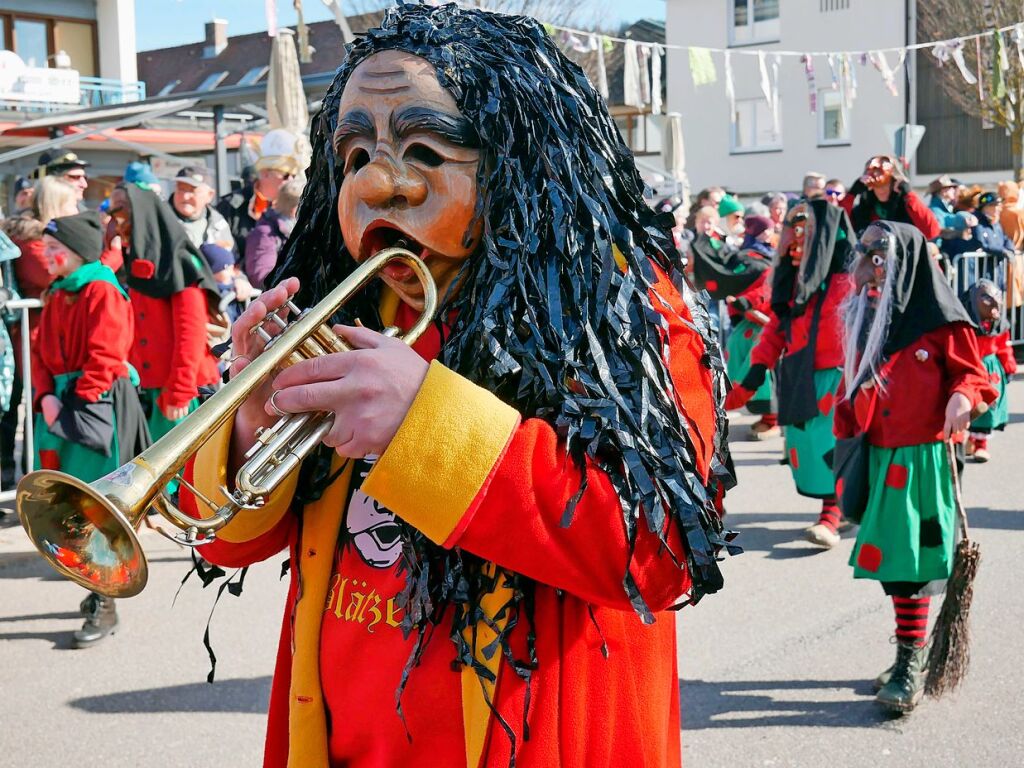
<point>829,514</point>
<point>911,619</point>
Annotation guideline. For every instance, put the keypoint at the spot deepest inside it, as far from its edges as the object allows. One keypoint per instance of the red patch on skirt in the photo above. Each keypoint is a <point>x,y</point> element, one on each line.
<point>869,558</point>
<point>840,485</point>
<point>994,377</point>
<point>711,285</point>
<point>896,476</point>
<point>826,403</point>
<point>793,460</point>
<point>748,334</point>
<point>49,460</point>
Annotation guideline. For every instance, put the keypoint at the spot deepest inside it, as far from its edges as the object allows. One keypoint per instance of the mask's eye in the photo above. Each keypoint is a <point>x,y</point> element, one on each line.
<point>798,231</point>
<point>356,160</point>
<point>877,259</point>
<point>425,155</point>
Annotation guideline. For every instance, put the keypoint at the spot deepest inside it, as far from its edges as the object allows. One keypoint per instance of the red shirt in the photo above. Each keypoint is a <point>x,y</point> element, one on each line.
<point>919,380</point>
<point>775,343</point>
<point>759,294</point>
<point>88,331</point>
<point>999,345</point>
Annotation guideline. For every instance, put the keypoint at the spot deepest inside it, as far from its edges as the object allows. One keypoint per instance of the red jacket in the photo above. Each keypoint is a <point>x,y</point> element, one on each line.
<point>917,212</point>
<point>170,350</point>
<point>88,331</point>
<point>759,296</point>
<point>587,709</point>
<point>774,344</point>
<point>999,345</point>
<point>919,381</point>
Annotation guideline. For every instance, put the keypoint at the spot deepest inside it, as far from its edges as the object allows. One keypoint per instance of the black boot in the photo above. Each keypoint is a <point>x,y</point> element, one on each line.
<point>100,621</point>
<point>906,682</point>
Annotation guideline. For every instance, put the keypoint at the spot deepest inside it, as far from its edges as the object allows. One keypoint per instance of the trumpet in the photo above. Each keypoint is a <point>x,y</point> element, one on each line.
<point>88,531</point>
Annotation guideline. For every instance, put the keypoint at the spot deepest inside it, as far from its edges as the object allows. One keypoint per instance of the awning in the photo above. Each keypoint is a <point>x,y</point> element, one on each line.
<point>105,114</point>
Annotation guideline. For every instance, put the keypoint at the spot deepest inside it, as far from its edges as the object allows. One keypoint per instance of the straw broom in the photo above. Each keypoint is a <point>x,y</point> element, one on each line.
<point>950,653</point>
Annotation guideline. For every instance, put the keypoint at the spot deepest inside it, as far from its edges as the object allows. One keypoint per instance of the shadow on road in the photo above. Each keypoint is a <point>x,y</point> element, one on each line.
<point>61,640</point>
<point>996,519</point>
<point>242,695</point>
<point>43,616</point>
<point>769,703</point>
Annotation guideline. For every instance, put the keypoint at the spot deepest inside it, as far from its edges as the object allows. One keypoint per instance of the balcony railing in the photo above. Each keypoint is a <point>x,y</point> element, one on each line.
<point>93,92</point>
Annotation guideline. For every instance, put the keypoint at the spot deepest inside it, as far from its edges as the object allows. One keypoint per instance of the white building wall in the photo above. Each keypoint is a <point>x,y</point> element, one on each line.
<point>802,26</point>
<point>115,22</point>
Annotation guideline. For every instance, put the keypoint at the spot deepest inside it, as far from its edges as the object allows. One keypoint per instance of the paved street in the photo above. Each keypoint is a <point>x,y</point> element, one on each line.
<point>775,669</point>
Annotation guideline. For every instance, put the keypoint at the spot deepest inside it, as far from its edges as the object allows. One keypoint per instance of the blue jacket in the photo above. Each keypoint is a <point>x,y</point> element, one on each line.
<point>946,216</point>
<point>987,236</point>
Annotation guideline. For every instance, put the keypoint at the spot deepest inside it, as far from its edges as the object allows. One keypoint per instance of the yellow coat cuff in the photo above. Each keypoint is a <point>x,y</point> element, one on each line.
<point>444,452</point>
<point>210,474</point>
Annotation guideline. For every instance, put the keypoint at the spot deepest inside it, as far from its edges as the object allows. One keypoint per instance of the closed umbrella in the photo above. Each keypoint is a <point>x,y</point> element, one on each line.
<point>286,99</point>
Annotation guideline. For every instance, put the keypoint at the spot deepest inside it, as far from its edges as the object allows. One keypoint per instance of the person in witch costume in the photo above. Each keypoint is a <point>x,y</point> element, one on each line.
<point>741,277</point>
<point>499,511</point>
<point>912,376</point>
<point>172,292</point>
<point>805,340</point>
<point>984,303</point>
<point>89,418</point>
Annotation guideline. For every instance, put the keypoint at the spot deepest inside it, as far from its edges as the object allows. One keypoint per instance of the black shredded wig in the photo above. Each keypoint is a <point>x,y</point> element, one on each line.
<point>542,301</point>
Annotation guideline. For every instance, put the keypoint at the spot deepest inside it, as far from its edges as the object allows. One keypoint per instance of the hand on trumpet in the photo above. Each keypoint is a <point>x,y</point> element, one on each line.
<point>369,390</point>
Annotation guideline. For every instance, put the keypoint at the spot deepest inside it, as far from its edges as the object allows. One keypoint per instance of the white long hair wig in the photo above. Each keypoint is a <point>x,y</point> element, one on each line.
<point>866,316</point>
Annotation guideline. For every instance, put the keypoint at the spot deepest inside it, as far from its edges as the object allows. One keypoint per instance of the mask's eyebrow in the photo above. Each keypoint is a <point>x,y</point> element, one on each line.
<point>355,123</point>
<point>453,128</point>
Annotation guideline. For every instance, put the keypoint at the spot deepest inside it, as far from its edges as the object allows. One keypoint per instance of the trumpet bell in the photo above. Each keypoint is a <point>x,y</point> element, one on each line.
<point>82,534</point>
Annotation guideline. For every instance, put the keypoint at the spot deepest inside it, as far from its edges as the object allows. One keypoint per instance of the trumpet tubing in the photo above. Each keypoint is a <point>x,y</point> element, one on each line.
<point>88,531</point>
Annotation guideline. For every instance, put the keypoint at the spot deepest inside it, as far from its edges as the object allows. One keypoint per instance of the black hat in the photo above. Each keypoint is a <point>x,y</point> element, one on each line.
<point>21,184</point>
<point>60,162</point>
<point>988,198</point>
<point>195,175</point>
<point>82,233</point>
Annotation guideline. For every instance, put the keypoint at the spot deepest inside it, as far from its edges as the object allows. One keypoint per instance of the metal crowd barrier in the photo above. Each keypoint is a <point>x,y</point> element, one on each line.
<point>1006,272</point>
<point>27,444</point>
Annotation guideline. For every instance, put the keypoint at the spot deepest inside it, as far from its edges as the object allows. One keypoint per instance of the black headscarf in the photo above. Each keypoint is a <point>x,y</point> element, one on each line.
<point>969,299</point>
<point>724,270</point>
<point>922,298</point>
<point>542,301</point>
<point>158,237</point>
<point>828,242</point>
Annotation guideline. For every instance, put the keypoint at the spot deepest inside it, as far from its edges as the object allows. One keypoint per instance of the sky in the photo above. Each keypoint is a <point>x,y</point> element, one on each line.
<point>164,23</point>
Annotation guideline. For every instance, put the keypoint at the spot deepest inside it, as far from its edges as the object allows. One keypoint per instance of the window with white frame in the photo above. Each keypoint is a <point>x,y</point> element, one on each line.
<point>753,129</point>
<point>833,118</point>
<point>753,21</point>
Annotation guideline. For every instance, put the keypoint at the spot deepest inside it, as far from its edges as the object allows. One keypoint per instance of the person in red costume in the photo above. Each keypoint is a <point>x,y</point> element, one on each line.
<point>984,303</point>
<point>912,377</point>
<point>171,291</point>
<point>499,512</point>
<point>883,193</point>
<point>804,339</point>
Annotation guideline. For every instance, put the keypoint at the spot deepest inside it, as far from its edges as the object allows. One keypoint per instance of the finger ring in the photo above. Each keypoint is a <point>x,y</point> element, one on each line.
<point>274,406</point>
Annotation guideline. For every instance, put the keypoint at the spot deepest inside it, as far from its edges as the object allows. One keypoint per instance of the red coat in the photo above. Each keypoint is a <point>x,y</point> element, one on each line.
<point>587,708</point>
<point>170,350</point>
<point>88,331</point>
<point>759,295</point>
<point>919,381</point>
<point>999,345</point>
<point>828,353</point>
<point>917,212</point>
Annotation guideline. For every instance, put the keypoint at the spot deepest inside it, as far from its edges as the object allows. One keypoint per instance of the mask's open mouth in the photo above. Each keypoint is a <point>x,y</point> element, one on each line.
<point>380,235</point>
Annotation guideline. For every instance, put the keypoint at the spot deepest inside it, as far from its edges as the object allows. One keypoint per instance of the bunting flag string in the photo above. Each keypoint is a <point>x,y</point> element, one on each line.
<point>812,89</point>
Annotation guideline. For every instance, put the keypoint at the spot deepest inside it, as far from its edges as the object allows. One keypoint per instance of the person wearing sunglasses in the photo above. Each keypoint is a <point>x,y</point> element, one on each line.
<point>67,166</point>
<point>835,191</point>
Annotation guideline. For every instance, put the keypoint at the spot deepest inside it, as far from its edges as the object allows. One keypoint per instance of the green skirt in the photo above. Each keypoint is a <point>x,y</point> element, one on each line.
<point>908,531</point>
<point>742,340</point>
<point>998,414</point>
<point>809,443</point>
<point>53,452</point>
